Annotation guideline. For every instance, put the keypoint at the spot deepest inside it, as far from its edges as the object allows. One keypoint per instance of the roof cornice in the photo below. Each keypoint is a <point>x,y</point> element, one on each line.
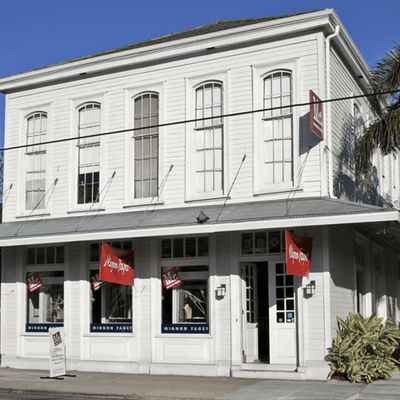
<point>192,46</point>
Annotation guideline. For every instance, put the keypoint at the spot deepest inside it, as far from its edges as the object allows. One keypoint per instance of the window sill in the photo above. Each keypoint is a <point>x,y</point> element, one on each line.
<point>85,210</point>
<point>144,202</point>
<point>276,191</point>
<point>211,198</point>
<point>35,214</point>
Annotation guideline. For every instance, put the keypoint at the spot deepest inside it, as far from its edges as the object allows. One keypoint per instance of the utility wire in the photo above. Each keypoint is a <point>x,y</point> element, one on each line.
<point>188,121</point>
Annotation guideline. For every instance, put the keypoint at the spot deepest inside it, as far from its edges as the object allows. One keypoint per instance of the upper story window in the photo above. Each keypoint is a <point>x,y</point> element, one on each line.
<point>277,129</point>
<point>146,147</point>
<point>89,118</point>
<point>209,138</point>
<point>36,161</point>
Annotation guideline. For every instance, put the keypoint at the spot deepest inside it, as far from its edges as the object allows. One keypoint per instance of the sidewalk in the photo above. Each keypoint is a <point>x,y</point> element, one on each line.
<point>165,387</point>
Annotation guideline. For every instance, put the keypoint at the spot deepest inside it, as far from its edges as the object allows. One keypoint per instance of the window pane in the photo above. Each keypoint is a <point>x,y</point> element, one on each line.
<point>202,246</point>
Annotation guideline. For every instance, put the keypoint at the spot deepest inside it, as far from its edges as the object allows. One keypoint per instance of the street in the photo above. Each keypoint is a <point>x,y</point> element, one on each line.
<point>44,396</point>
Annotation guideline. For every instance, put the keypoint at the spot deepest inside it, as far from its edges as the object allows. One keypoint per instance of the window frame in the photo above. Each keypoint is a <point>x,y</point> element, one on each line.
<point>107,326</point>
<point>22,211</point>
<point>129,177</point>
<point>260,72</point>
<point>197,261</point>
<point>75,105</point>
<point>40,268</point>
<point>192,84</point>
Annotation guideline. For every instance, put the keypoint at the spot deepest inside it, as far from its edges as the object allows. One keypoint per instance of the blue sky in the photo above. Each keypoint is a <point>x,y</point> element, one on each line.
<point>36,33</point>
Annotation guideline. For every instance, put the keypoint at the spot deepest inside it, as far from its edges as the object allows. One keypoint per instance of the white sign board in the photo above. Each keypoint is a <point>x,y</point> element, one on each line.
<point>57,352</point>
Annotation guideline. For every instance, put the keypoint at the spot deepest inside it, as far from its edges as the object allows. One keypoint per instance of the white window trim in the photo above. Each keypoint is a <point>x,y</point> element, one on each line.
<point>24,113</point>
<point>75,104</point>
<point>192,83</point>
<point>129,188</point>
<point>259,73</point>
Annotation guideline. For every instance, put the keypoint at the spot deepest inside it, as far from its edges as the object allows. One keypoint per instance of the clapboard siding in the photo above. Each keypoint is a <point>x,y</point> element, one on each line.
<point>222,307</point>
<point>342,271</point>
<point>235,64</point>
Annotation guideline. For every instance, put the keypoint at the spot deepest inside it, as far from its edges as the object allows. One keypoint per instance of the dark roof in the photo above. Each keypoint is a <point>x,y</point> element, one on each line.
<point>187,217</point>
<point>201,30</point>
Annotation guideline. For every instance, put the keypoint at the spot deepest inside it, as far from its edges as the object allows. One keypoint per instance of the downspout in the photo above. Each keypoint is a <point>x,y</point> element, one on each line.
<point>326,275</point>
<point>328,109</point>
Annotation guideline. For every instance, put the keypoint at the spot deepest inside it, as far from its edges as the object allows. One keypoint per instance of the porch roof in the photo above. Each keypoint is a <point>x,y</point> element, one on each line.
<point>156,221</point>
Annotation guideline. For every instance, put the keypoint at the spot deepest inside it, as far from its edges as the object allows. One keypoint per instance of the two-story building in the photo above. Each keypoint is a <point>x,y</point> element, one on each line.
<point>195,151</point>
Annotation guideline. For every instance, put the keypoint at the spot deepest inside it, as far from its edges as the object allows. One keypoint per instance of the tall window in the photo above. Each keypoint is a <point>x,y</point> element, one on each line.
<point>45,287</point>
<point>111,303</point>
<point>89,153</point>
<point>36,161</point>
<point>146,114</point>
<point>209,138</point>
<point>277,129</point>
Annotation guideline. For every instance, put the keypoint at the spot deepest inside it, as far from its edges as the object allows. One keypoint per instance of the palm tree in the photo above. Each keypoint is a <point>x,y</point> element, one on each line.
<point>384,133</point>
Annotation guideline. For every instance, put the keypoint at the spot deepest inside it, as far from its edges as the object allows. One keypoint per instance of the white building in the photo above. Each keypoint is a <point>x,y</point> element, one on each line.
<point>144,189</point>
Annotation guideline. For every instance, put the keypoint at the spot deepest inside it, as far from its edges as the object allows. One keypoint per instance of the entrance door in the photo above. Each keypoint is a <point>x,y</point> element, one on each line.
<point>269,333</point>
<point>282,321</point>
<point>250,312</point>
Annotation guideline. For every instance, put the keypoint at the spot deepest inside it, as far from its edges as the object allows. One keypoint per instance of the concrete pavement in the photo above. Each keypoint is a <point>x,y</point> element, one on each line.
<point>100,385</point>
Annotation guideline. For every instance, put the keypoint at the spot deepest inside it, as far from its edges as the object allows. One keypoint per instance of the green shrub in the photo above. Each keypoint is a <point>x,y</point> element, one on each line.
<point>363,349</point>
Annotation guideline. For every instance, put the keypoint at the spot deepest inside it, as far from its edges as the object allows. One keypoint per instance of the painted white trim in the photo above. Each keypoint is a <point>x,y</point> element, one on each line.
<point>259,72</point>
<point>191,84</point>
<point>130,95</point>
<point>75,104</point>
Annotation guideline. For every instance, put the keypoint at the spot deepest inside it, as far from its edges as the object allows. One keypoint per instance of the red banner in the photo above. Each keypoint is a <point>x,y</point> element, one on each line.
<point>316,115</point>
<point>34,282</point>
<point>116,265</point>
<point>298,254</point>
<point>171,278</point>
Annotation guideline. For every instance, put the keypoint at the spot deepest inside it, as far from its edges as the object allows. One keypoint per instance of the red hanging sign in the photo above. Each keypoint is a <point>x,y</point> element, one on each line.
<point>34,282</point>
<point>116,265</point>
<point>96,282</point>
<point>316,115</point>
<point>171,278</point>
<point>298,254</point>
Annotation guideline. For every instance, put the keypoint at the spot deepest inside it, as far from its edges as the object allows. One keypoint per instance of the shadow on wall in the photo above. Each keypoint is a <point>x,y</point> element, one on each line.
<point>346,185</point>
<point>308,139</point>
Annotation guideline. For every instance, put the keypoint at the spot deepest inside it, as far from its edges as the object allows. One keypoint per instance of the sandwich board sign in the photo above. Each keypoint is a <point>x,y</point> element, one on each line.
<point>57,352</point>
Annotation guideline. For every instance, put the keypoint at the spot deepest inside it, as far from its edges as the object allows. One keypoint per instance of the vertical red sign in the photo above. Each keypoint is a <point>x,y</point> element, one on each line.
<point>34,282</point>
<point>316,115</point>
<point>116,265</point>
<point>171,278</point>
<point>298,254</point>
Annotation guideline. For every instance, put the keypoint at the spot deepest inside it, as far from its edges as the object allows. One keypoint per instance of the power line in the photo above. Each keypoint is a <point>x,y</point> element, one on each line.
<point>188,121</point>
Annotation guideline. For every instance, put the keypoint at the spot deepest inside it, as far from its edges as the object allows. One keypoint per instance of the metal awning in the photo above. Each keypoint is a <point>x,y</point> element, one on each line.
<point>160,221</point>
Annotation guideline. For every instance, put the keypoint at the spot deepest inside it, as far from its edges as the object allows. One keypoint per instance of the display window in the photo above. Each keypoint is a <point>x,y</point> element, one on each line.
<point>45,288</point>
<point>111,303</point>
<point>185,306</point>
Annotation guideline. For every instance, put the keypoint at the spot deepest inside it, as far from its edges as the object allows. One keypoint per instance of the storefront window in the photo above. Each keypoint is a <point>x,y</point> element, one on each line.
<point>46,303</point>
<point>185,247</point>
<point>111,303</point>
<point>185,306</point>
<point>45,287</point>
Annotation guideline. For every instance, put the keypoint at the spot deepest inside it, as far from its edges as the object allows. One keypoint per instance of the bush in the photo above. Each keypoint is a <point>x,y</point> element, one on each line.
<point>363,349</point>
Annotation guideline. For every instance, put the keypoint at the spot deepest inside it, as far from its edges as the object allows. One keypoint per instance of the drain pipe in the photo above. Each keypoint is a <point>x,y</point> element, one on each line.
<point>328,109</point>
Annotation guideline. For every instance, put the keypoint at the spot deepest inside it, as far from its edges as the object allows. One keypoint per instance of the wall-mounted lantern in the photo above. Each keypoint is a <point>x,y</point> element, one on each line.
<point>310,288</point>
<point>221,291</point>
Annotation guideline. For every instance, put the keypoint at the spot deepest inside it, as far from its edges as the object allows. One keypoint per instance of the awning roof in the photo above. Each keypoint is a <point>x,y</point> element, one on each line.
<point>181,221</point>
